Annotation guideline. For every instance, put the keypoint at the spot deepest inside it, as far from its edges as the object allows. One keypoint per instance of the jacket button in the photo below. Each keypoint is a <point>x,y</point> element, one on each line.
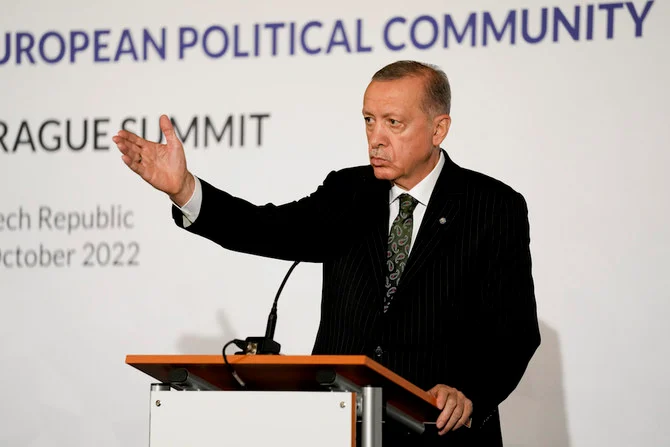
<point>379,351</point>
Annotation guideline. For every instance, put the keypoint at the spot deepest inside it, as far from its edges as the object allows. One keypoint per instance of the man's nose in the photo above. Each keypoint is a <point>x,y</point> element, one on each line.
<point>376,136</point>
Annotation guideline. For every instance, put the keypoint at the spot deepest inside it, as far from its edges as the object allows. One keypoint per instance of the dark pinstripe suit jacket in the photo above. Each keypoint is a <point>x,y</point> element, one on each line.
<point>464,313</point>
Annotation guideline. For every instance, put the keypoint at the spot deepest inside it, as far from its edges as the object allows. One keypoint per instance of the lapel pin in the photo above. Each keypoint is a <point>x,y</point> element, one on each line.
<point>442,221</point>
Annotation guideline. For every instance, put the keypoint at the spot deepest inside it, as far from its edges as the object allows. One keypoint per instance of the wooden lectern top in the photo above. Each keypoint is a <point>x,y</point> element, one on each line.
<point>293,373</point>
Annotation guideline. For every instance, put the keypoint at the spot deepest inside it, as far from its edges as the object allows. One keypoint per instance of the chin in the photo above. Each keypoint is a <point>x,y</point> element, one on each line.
<point>383,173</point>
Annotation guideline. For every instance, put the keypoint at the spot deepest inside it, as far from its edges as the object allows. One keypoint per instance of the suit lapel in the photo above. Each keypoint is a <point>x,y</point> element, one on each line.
<point>377,207</point>
<point>443,209</point>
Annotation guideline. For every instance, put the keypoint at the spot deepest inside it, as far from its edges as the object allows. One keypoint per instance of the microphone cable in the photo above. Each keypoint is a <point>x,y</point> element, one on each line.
<point>251,344</point>
<point>240,344</point>
<point>272,318</point>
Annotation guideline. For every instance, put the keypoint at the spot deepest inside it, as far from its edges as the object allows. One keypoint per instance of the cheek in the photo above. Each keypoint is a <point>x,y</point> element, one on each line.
<point>409,153</point>
<point>404,143</point>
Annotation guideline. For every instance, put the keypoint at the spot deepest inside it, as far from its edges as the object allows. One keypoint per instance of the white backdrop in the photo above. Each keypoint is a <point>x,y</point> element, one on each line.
<point>577,122</point>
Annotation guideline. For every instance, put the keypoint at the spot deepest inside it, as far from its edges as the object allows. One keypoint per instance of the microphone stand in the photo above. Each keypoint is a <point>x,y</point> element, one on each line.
<point>267,344</point>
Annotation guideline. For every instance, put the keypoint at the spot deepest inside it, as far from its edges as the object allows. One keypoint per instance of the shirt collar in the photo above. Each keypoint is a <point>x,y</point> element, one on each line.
<point>422,190</point>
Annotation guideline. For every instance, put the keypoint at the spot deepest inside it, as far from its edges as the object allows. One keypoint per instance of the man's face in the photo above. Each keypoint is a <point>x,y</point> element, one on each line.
<point>402,137</point>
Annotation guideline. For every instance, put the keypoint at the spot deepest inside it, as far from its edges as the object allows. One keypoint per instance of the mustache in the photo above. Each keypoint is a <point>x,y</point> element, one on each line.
<point>378,153</point>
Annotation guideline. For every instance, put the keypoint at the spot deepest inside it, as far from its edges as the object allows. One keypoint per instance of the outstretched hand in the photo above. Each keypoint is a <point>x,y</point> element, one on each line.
<point>163,166</point>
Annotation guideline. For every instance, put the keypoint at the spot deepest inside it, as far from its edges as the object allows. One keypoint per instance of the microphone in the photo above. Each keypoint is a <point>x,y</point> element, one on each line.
<point>267,344</point>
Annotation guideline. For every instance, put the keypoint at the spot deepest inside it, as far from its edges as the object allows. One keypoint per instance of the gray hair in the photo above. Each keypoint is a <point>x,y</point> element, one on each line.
<point>437,95</point>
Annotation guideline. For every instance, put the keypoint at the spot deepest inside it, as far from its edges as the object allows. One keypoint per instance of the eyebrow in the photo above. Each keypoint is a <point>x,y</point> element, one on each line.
<point>385,115</point>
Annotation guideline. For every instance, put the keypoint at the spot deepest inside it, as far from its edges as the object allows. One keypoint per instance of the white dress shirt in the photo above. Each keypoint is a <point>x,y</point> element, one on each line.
<point>421,192</point>
<point>191,209</point>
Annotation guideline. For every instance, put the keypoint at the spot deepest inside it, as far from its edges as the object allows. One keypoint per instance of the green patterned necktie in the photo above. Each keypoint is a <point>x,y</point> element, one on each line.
<point>400,239</point>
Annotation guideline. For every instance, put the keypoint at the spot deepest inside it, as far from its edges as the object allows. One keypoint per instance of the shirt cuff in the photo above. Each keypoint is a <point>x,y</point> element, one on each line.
<point>191,209</point>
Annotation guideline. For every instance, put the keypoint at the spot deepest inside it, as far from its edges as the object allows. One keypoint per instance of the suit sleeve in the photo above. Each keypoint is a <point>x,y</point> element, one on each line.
<point>300,230</point>
<point>507,333</point>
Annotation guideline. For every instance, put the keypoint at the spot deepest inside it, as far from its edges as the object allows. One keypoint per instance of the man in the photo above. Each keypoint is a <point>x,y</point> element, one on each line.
<point>426,265</point>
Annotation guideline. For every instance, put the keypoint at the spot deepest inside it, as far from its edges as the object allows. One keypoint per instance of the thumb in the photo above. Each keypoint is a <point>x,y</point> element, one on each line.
<point>440,396</point>
<point>168,130</point>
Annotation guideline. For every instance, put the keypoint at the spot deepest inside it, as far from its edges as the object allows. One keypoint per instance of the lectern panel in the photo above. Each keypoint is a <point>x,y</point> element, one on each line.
<point>236,418</point>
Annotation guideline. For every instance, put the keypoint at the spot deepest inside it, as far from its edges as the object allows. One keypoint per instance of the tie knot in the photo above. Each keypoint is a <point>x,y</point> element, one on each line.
<point>407,204</point>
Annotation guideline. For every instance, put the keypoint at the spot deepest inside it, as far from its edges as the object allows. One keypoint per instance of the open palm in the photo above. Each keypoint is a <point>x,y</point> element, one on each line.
<point>163,166</point>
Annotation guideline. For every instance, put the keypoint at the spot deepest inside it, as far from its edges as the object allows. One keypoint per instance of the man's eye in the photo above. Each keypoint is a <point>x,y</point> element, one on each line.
<point>394,122</point>
<point>367,119</point>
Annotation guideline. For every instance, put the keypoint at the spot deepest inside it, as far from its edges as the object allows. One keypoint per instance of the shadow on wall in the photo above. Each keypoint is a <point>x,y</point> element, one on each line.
<point>534,414</point>
<point>202,344</point>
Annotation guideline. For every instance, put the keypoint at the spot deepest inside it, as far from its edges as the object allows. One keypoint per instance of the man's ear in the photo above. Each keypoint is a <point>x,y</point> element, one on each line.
<point>441,124</point>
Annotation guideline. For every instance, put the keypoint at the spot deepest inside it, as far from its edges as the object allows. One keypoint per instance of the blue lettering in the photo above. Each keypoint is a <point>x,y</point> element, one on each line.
<point>637,18</point>
<point>224,43</point>
<point>188,37</point>
<point>74,48</point>
<point>387,42</point>
<point>572,30</point>
<point>524,27</point>
<point>610,8</point>
<point>148,39</point>
<point>589,22</point>
<point>423,33</point>
<point>99,45</point>
<point>236,39</point>
<point>471,25</point>
<point>256,39</point>
<point>292,39</point>
<point>360,48</point>
<point>339,26</point>
<point>274,27</point>
<point>510,21</point>
<point>126,39</point>
<point>61,47</point>
<point>20,49</point>
<point>303,34</point>
<point>412,32</point>
<point>8,43</point>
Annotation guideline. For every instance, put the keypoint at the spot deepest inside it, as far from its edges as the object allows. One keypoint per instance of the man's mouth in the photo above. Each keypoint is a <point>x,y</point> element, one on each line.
<point>377,156</point>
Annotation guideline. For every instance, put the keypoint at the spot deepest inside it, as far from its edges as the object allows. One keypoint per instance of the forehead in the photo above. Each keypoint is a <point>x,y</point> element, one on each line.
<point>405,93</point>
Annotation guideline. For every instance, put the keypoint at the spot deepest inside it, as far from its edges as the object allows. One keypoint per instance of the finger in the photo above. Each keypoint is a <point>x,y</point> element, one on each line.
<point>454,413</point>
<point>444,417</point>
<point>132,138</point>
<point>453,419</point>
<point>442,420</point>
<point>465,419</point>
<point>440,393</point>
<point>441,398</point>
<point>140,169</point>
<point>121,144</point>
<point>126,146</point>
<point>168,130</point>
<point>134,163</point>
<point>130,163</point>
<point>434,390</point>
